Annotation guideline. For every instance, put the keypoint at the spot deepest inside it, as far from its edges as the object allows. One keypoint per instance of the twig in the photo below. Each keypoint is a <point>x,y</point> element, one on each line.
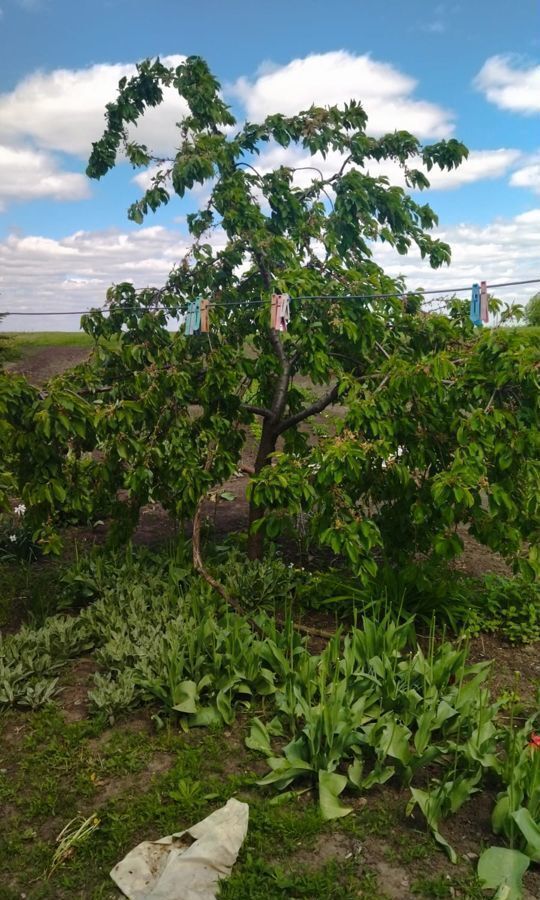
<point>490,401</point>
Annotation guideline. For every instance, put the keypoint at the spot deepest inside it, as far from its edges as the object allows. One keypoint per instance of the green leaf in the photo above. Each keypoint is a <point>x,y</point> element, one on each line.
<point>501,868</point>
<point>206,717</point>
<point>331,786</point>
<point>258,738</point>
<point>355,772</point>
<point>500,814</point>
<point>185,696</point>
<point>530,831</point>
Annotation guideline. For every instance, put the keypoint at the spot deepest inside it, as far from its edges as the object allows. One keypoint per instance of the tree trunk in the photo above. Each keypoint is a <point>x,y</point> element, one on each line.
<point>255,547</point>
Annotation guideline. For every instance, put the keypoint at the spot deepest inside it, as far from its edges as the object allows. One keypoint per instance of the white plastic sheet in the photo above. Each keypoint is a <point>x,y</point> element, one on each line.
<point>187,865</point>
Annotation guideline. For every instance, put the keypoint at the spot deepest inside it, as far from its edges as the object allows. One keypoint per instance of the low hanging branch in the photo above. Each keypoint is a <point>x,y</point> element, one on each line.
<point>199,566</point>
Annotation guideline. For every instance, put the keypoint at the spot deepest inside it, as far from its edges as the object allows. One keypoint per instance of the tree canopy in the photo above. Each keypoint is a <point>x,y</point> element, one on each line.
<point>532,310</point>
<point>436,423</point>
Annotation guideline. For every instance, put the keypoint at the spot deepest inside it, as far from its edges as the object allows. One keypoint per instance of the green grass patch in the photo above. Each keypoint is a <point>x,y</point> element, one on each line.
<point>16,345</point>
<point>25,340</point>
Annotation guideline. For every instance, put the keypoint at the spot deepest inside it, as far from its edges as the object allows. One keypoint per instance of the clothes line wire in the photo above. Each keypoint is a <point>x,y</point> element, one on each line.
<point>242,303</point>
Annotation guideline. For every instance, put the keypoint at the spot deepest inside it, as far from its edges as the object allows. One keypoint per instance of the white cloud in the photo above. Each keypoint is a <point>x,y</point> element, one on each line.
<point>528,176</point>
<point>27,174</point>
<point>503,250</point>
<point>64,109</point>
<point>72,273</point>
<point>510,84</point>
<point>337,77</point>
<point>480,165</point>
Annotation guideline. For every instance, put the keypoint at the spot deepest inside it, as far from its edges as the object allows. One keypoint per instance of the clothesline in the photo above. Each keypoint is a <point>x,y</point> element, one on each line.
<point>301,298</point>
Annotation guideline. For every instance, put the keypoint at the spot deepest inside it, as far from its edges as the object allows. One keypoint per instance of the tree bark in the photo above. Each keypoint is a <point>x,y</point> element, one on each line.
<point>267,445</point>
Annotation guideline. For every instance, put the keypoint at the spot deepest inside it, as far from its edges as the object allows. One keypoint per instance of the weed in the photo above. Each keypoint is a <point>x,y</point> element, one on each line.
<point>72,836</point>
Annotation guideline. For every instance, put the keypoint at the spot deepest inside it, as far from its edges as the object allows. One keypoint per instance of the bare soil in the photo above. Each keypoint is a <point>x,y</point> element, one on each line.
<point>40,364</point>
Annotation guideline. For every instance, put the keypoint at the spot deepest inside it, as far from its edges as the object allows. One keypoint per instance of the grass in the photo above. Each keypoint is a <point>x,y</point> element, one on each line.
<point>17,345</point>
<point>142,784</point>
<point>39,339</point>
<point>28,593</point>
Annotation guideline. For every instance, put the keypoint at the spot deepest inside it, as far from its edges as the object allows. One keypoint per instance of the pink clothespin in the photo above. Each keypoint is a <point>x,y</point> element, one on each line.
<point>284,313</point>
<point>280,312</point>
<point>484,311</point>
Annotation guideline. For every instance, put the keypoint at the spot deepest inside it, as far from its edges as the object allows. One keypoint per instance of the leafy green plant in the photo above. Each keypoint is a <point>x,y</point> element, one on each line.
<point>29,659</point>
<point>368,709</point>
<point>516,814</point>
<point>510,606</point>
<point>261,584</point>
<point>16,537</point>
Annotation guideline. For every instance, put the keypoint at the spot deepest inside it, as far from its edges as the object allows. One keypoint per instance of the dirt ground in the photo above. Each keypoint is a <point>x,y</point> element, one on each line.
<point>40,364</point>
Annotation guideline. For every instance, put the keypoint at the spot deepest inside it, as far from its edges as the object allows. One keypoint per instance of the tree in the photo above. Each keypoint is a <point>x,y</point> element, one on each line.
<point>532,310</point>
<point>437,419</point>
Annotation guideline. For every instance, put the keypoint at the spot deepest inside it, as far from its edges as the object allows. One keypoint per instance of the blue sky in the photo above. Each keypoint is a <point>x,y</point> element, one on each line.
<point>468,70</point>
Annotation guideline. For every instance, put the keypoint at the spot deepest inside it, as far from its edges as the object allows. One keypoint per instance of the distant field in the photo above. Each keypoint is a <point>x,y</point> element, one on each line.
<point>23,341</point>
<point>40,355</point>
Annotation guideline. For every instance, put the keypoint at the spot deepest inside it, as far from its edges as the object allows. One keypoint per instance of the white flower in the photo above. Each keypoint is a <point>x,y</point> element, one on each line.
<point>20,509</point>
<point>13,538</point>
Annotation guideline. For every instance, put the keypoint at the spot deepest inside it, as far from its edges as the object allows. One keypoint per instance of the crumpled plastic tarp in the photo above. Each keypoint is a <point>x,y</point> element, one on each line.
<point>187,865</point>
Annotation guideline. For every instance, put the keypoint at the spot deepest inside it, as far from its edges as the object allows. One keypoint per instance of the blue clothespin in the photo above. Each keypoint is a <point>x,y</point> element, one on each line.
<point>193,317</point>
<point>475,313</point>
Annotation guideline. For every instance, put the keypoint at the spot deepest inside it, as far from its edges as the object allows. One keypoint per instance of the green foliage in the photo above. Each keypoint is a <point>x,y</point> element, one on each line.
<point>373,710</point>
<point>532,310</point>
<point>266,584</point>
<point>372,706</point>
<point>517,812</point>
<point>29,659</point>
<point>510,606</point>
<point>440,422</point>
<point>6,346</point>
<point>502,869</point>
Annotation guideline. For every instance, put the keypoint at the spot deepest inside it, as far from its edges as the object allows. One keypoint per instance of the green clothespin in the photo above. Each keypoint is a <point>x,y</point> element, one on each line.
<point>193,317</point>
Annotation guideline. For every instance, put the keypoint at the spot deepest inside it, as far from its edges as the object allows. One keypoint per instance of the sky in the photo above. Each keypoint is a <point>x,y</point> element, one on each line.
<point>469,70</point>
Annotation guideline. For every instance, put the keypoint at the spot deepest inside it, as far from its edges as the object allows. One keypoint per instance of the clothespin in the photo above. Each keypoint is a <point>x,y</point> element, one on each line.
<point>284,314</point>
<point>205,320</point>
<point>474,313</point>
<point>193,317</point>
<point>280,313</point>
<point>484,311</point>
<point>274,309</point>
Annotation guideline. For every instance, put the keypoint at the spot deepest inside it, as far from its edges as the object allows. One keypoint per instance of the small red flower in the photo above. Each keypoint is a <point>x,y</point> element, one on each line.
<point>535,741</point>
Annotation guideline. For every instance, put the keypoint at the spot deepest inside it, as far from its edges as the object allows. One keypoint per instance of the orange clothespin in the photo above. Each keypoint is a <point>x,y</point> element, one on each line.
<point>205,318</point>
<point>274,311</point>
<point>484,311</point>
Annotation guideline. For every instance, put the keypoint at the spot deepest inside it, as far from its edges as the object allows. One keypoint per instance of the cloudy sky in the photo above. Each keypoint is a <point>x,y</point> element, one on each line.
<point>469,70</point>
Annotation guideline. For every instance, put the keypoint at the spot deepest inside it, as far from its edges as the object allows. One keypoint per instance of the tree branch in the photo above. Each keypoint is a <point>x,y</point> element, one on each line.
<point>280,393</point>
<point>312,410</point>
<point>257,410</point>
<point>198,563</point>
